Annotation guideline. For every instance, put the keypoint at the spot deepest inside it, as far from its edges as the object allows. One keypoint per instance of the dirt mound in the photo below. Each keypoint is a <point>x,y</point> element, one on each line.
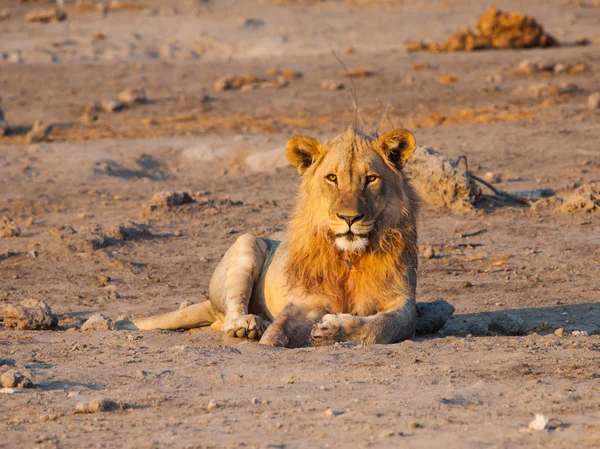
<point>583,199</point>
<point>440,182</point>
<point>495,29</point>
<point>29,315</point>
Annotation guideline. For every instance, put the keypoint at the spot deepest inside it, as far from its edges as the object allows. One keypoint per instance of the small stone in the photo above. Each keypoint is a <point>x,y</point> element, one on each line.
<point>415,425</point>
<point>46,16</point>
<point>593,101</point>
<point>507,324</point>
<point>97,322</point>
<point>387,433</point>
<point>580,334</point>
<point>332,85</point>
<point>167,200</point>
<point>186,303</point>
<point>467,284</point>
<point>98,405</point>
<point>39,132</point>
<point>133,95</point>
<point>559,332</point>
<point>7,390</point>
<point>8,228</point>
<point>492,178</point>
<point>110,105</point>
<point>559,68</point>
<point>429,252</point>
<point>102,281</point>
<point>330,413</point>
<point>46,418</point>
<point>14,379</point>
<point>254,401</point>
<point>212,405</point>
<point>540,422</point>
<point>253,23</point>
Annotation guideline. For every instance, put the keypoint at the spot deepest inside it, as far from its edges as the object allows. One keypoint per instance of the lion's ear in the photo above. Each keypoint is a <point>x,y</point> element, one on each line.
<point>398,146</point>
<point>302,152</point>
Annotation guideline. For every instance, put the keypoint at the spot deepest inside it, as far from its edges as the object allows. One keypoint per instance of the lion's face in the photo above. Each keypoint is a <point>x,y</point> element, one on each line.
<point>352,182</point>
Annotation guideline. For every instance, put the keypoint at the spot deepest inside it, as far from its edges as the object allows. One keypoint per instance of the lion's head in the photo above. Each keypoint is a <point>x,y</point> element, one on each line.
<point>353,186</point>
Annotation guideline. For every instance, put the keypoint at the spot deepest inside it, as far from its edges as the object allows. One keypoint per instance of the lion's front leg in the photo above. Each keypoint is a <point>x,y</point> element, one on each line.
<point>382,328</point>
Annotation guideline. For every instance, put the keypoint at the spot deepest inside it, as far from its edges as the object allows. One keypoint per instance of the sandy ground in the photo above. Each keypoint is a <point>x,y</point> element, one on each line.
<point>98,169</point>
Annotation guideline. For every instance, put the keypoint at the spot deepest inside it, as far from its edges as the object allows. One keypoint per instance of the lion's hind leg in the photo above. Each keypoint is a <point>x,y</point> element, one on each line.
<point>231,286</point>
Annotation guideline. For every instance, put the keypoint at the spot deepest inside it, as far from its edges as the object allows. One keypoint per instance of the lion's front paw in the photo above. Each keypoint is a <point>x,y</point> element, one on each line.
<point>274,336</point>
<point>245,326</point>
<point>327,331</point>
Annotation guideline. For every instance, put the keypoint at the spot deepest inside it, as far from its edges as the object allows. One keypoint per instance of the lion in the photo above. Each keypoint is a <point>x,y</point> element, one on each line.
<point>346,268</point>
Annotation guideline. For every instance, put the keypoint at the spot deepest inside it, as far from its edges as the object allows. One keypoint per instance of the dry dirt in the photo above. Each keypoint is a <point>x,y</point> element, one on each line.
<point>88,242</point>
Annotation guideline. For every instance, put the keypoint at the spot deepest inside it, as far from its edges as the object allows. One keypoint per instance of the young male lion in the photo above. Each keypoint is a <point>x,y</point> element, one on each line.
<point>345,270</point>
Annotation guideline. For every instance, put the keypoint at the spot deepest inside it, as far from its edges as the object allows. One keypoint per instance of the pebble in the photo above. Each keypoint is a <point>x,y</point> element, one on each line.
<point>110,105</point>
<point>97,322</point>
<point>507,324</point>
<point>97,405</point>
<point>332,85</point>
<point>492,177</point>
<point>540,422</point>
<point>415,425</point>
<point>14,379</point>
<point>186,303</point>
<point>593,101</point>
<point>39,132</point>
<point>46,16</point>
<point>580,334</point>
<point>133,95</point>
<point>330,413</point>
<point>559,332</point>
<point>46,418</point>
<point>429,252</point>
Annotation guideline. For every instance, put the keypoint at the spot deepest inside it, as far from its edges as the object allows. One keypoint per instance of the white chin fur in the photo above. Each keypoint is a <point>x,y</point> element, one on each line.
<point>358,244</point>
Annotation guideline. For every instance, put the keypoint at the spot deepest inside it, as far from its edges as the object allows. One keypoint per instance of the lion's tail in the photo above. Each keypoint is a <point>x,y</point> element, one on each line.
<point>196,315</point>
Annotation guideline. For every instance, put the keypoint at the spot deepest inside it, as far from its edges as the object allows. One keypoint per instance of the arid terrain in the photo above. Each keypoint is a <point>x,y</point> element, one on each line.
<point>87,242</point>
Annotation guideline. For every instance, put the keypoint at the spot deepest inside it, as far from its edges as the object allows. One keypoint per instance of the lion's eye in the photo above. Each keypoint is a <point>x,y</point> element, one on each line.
<point>372,178</point>
<point>331,177</point>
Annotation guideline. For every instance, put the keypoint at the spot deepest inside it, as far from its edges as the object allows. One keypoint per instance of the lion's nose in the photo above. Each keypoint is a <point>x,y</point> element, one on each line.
<point>350,219</point>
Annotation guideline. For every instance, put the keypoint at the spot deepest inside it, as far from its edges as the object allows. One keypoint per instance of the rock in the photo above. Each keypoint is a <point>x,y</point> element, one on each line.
<point>133,95</point>
<point>584,198</point>
<point>4,14</point>
<point>3,124</point>
<point>46,16</point>
<point>267,161</point>
<point>167,200</point>
<point>593,101</point>
<point>415,425</point>
<point>580,334</point>
<point>429,252</point>
<point>97,322</point>
<point>46,418</point>
<point>98,405</point>
<point>432,316</point>
<point>492,178</point>
<point>8,228</point>
<point>13,57</point>
<point>110,105</point>
<point>540,422</point>
<point>332,85</point>
<point>559,332</point>
<point>495,29</point>
<point>39,132</point>
<point>507,324</point>
<point>330,413</point>
<point>212,405</point>
<point>559,68</point>
<point>14,379</point>
<point>29,315</point>
<point>5,361</point>
<point>477,329</point>
<point>253,23</point>
<point>236,82</point>
<point>439,181</point>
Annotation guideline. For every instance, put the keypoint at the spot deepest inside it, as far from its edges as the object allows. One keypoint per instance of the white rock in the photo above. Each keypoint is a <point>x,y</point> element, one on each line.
<point>97,322</point>
<point>540,422</point>
<point>267,161</point>
<point>593,101</point>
